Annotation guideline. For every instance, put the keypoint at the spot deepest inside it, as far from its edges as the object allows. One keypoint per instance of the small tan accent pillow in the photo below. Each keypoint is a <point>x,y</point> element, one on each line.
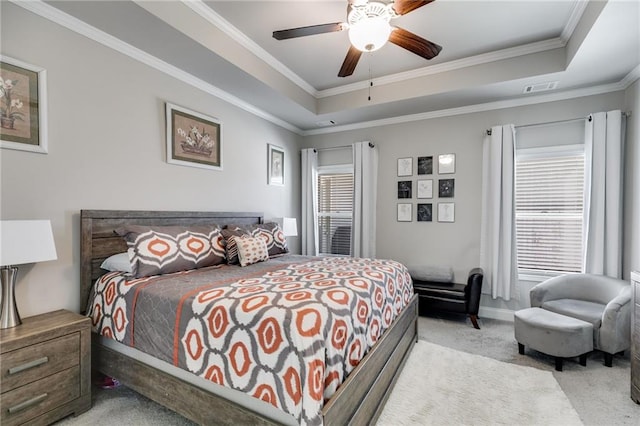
<point>251,250</point>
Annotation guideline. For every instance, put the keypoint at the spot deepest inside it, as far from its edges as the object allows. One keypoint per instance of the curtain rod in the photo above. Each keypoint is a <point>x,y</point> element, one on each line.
<point>626,114</point>
<point>371,145</point>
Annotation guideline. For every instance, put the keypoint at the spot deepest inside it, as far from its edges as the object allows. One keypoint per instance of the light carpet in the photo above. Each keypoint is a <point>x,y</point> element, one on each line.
<point>443,386</point>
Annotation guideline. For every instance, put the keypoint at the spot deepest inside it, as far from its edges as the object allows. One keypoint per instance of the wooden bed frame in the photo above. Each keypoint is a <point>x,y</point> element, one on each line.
<point>359,400</point>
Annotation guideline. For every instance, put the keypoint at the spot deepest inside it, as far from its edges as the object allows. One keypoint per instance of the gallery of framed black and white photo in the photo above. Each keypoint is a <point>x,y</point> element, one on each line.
<point>193,139</point>
<point>446,212</point>
<point>405,166</point>
<point>405,211</point>
<point>425,188</point>
<point>425,165</point>
<point>425,212</point>
<point>275,165</point>
<point>23,106</point>
<point>405,189</point>
<point>446,188</point>
<point>446,164</point>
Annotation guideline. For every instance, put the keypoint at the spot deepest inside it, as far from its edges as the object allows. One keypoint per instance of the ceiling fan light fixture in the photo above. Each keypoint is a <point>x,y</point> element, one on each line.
<point>369,34</point>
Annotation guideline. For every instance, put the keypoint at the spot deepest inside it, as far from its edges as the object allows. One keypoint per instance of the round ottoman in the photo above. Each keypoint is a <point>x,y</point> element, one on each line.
<point>553,334</point>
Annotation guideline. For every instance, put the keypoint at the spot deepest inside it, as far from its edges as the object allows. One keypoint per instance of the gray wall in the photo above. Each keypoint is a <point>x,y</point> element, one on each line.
<point>107,151</point>
<point>632,181</point>
<point>455,244</point>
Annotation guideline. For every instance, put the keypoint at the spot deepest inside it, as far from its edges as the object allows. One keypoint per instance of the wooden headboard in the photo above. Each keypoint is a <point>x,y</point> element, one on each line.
<point>98,240</point>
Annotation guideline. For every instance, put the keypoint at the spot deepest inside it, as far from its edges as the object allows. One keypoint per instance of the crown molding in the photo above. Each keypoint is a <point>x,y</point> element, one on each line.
<point>74,24</point>
<point>199,7</point>
<point>470,109</point>
<point>574,19</point>
<point>484,58</point>
<point>630,78</point>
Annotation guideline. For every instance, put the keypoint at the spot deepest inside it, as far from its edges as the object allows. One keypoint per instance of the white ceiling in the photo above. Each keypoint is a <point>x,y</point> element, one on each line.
<point>491,51</point>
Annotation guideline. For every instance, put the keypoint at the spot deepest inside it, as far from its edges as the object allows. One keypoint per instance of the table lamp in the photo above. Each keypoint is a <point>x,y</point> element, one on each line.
<point>21,241</point>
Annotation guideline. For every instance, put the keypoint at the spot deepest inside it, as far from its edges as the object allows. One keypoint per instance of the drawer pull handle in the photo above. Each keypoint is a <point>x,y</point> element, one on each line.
<point>27,403</point>
<point>28,365</point>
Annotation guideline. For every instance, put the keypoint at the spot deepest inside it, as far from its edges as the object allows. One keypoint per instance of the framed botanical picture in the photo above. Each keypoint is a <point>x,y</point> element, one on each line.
<point>446,212</point>
<point>425,212</point>
<point>23,106</point>
<point>405,189</point>
<point>446,163</point>
<point>405,166</point>
<point>425,165</point>
<point>446,188</point>
<point>193,139</point>
<point>404,212</point>
<point>425,188</point>
<point>275,165</point>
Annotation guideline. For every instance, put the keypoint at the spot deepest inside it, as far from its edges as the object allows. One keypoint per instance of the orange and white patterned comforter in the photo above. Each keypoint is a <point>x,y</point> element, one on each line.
<point>287,331</point>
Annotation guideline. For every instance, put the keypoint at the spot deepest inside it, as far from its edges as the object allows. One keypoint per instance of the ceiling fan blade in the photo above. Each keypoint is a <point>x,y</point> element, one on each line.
<point>414,43</point>
<point>310,30</point>
<point>402,7</point>
<point>350,62</point>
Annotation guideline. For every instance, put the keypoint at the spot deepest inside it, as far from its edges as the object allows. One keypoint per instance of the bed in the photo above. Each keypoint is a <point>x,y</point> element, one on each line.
<point>358,400</point>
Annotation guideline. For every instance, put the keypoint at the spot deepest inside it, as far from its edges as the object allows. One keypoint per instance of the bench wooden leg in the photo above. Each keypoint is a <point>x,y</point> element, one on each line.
<point>583,360</point>
<point>474,321</point>
<point>608,359</point>
<point>558,363</point>
<point>520,348</point>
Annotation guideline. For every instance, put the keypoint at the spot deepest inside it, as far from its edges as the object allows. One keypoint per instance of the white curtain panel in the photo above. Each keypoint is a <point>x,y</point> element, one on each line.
<point>309,222</point>
<point>498,250</point>
<point>602,228</point>
<point>365,181</point>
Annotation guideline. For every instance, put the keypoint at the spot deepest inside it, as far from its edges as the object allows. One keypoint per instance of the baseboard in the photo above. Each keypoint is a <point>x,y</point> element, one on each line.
<point>496,313</point>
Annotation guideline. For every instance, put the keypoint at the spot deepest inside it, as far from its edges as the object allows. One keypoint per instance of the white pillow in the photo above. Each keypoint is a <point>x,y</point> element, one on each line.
<point>117,262</point>
<point>251,250</point>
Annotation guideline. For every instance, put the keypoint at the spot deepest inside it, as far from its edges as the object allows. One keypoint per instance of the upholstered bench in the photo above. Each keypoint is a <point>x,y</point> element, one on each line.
<point>553,334</point>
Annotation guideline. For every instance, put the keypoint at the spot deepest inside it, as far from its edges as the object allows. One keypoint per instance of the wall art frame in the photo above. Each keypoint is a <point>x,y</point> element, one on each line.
<point>425,212</point>
<point>446,164</point>
<point>446,188</point>
<point>23,101</point>
<point>405,189</point>
<point>193,139</point>
<point>446,212</point>
<point>405,212</point>
<point>405,166</point>
<point>425,188</point>
<point>425,165</point>
<point>275,165</point>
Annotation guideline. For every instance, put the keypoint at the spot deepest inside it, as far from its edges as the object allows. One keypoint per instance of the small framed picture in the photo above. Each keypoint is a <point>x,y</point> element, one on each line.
<point>275,165</point>
<point>425,188</point>
<point>23,106</point>
<point>404,212</point>
<point>425,212</point>
<point>446,212</point>
<point>425,165</point>
<point>446,188</point>
<point>193,139</point>
<point>446,164</point>
<point>405,166</point>
<point>405,189</point>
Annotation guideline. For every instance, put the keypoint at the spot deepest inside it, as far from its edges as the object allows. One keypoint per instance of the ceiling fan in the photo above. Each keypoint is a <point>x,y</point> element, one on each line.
<point>369,29</point>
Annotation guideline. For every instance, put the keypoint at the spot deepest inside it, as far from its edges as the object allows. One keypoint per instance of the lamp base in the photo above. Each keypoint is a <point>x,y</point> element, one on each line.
<point>9,316</point>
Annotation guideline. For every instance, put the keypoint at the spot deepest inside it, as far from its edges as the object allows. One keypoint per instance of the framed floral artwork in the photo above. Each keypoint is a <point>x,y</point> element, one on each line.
<point>23,106</point>
<point>404,212</point>
<point>425,188</point>
<point>446,163</point>
<point>446,212</point>
<point>275,165</point>
<point>405,166</point>
<point>193,139</point>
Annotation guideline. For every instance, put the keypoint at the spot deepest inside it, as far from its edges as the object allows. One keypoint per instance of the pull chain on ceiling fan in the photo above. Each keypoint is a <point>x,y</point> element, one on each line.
<point>369,30</point>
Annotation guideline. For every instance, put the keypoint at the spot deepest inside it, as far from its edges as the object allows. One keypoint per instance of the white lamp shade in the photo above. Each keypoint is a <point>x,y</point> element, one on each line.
<point>369,34</point>
<point>26,241</point>
<point>289,226</point>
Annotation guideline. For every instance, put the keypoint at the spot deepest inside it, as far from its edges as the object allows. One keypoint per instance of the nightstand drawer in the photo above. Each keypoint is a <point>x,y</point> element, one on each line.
<point>30,401</point>
<point>31,363</point>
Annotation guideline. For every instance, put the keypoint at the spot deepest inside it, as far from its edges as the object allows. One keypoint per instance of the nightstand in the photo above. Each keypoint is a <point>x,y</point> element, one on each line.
<point>46,368</point>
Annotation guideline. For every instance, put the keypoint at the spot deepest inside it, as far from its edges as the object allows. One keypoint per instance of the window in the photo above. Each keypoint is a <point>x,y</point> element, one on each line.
<point>549,207</point>
<point>335,208</point>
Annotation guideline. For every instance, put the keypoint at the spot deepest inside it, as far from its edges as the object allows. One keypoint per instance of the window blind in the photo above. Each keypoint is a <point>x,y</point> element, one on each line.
<point>335,209</point>
<point>549,207</point>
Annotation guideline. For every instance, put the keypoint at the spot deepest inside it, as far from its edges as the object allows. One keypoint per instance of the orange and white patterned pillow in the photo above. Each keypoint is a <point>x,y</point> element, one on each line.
<point>251,250</point>
<point>168,249</point>
<point>270,232</point>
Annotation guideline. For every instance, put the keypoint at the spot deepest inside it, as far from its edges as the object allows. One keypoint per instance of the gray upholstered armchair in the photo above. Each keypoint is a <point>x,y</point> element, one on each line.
<point>602,301</point>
